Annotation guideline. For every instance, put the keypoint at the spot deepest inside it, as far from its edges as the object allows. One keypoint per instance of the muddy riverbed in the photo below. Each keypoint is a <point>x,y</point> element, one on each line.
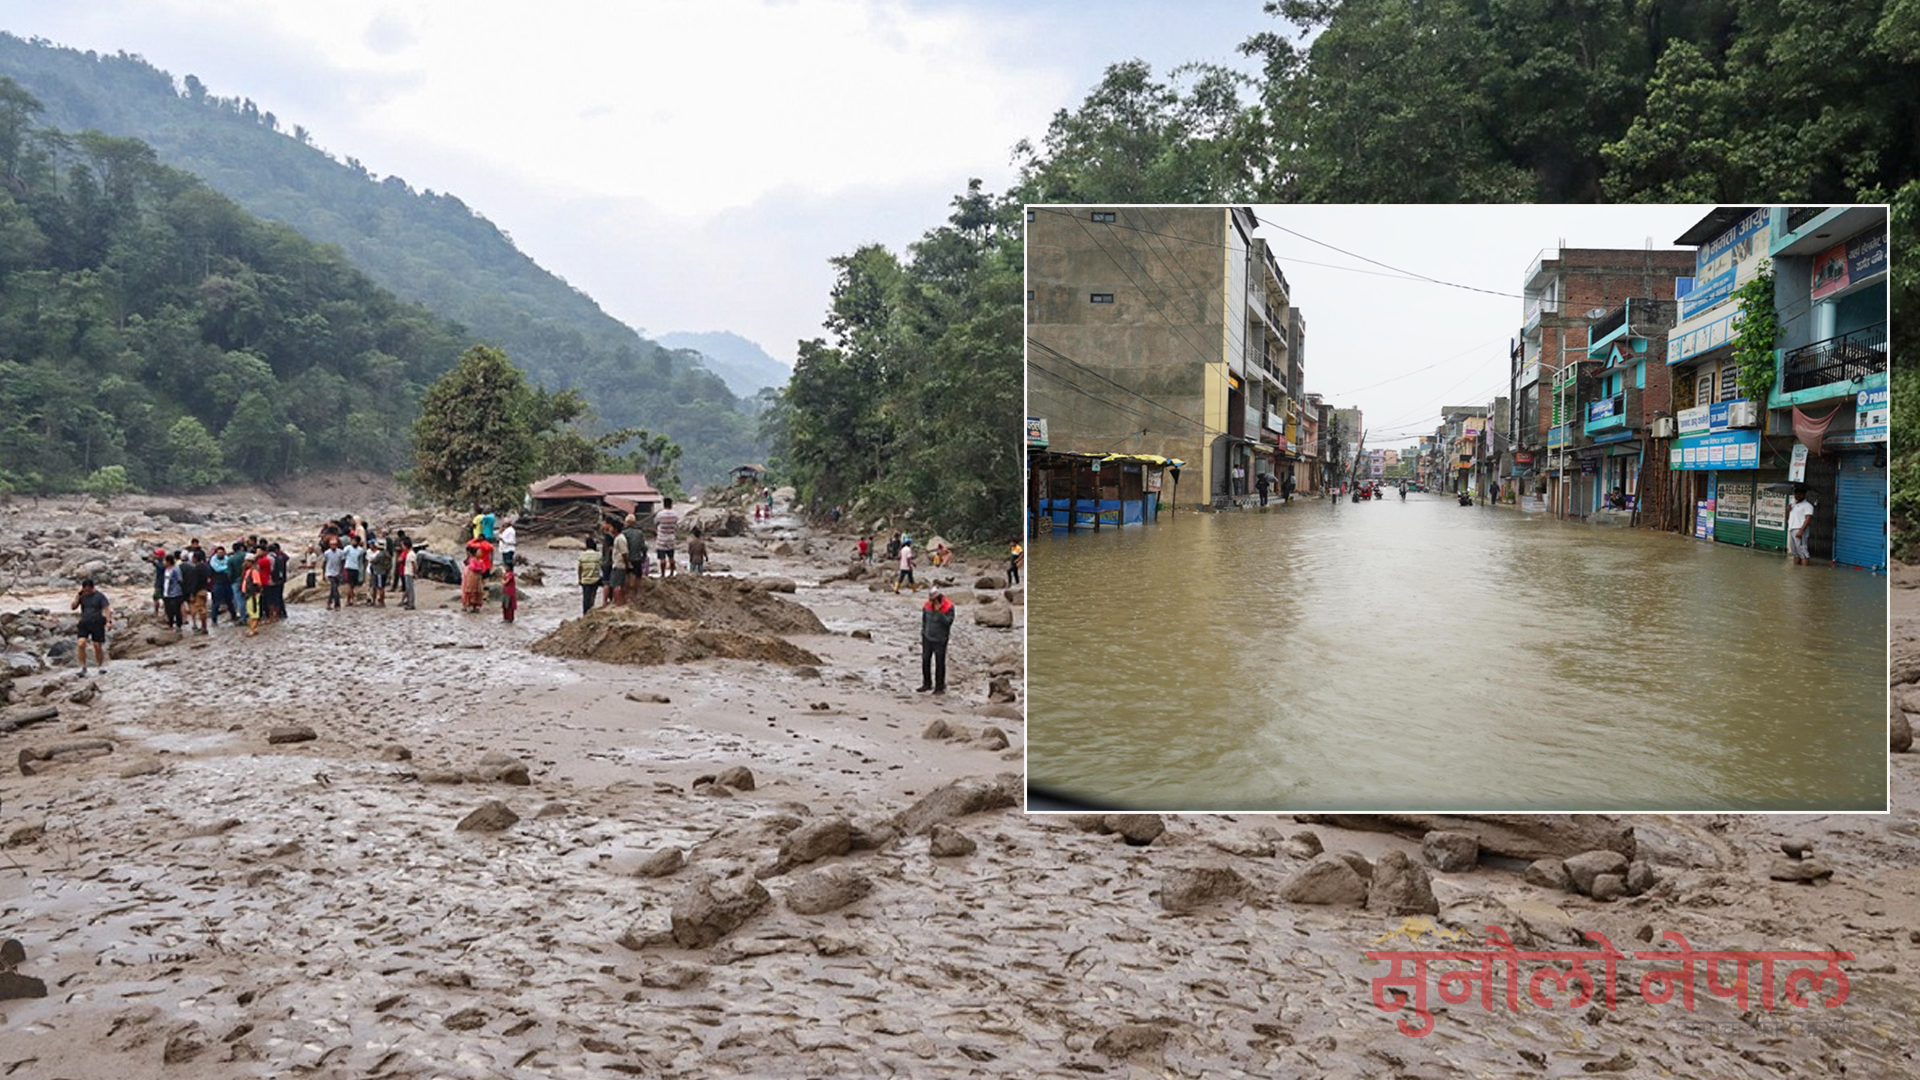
<point>200,901</point>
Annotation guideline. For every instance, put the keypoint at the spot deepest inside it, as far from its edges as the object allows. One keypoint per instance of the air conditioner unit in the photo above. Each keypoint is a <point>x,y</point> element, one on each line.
<point>1743,414</point>
<point>1663,428</point>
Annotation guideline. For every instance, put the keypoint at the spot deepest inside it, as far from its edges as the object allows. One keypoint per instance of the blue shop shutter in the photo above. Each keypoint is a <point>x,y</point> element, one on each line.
<point>1860,518</point>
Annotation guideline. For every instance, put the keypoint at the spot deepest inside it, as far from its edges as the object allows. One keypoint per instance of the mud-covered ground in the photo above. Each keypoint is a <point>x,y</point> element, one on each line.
<point>201,902</point>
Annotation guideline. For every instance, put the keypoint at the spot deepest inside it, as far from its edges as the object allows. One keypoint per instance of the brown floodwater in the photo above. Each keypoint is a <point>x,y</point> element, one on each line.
<point>1424,655</point>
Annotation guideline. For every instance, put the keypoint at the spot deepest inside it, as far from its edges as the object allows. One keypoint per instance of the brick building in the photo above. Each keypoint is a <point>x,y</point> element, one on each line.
<point>1566,292</point>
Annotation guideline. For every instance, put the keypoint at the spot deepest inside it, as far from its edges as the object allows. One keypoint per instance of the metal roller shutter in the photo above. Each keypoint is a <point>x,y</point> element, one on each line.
<point>1860,516</point>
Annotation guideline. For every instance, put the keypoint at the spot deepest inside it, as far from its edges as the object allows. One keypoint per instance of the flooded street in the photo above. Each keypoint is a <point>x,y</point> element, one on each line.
<point>1394,655</point>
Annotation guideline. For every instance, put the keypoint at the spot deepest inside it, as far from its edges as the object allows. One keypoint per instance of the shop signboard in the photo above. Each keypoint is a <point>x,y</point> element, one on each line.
<point>1867,254</point>
<point>1674,457</point>
<point>1721,450</point>
<point>1770,511</point>
<point>1870,419</point>
<point>1153,479</point>
<point>1713,330</point>
<point>1735,502</point>
<point>1703,520</point>
<point>1036,431</point>
<point>1830,271</point>
<point>1589,466</point>
<point>1717,415</point>
<point>1599,410</point>
<point>1524,457</point>
<point>1797,469</point>
<point>1695,421</point>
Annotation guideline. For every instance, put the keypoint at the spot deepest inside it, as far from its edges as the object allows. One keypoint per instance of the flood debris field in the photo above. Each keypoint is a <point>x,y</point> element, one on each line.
<point>730,867</point>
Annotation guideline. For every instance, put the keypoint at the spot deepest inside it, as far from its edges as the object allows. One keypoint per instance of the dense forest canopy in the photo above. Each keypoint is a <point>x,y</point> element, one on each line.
<point>425,246</point>
<point>150,324</point>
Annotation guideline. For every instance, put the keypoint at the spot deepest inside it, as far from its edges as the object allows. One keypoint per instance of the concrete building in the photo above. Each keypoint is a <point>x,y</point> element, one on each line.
<point>1163,331</point>
<point>1565,292</point>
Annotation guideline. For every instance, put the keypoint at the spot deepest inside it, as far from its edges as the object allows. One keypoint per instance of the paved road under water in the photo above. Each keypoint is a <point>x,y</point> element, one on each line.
<point>1425,655</point>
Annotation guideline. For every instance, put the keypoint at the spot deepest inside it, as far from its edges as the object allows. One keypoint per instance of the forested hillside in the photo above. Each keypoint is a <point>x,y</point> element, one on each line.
<point>743,364</point>
<point>150,325</point>
<point>914,404</point>
<point>425,246</point>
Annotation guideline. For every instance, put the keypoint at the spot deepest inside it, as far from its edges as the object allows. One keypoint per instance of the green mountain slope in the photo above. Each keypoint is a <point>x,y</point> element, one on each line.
<point>425,246</point>
<point>154,333</point>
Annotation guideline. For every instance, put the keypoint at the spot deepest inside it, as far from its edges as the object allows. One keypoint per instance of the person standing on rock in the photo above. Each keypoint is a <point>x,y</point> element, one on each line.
<point>94,611</point>
<point>936,626</point>
<point>1015,555</point>
<point>509,540</point>
<point>356,565</point>
<point>697,553</point>
<point>159,562</point>
<point>666,528</point>
<point>172,590</point>
<point>193,585</point>
<point>905,577</point>
<point>618,564</point>
<point>865,551</point>
<point>589,573</point>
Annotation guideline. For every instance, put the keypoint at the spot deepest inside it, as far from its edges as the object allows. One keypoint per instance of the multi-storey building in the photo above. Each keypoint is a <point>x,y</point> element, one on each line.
<point>1565,292</point>
<point>1163,331</point>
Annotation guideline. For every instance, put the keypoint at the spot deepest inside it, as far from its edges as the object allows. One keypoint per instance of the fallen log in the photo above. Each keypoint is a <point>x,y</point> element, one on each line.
<point>18,719</point>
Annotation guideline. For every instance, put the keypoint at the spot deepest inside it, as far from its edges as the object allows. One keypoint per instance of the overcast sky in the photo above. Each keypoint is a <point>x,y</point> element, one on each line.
<point>1368,336</point>
<point>690,165</point>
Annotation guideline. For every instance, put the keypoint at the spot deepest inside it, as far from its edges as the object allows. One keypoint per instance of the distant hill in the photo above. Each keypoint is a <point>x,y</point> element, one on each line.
<point>744,365</point>
<point>424,246</point>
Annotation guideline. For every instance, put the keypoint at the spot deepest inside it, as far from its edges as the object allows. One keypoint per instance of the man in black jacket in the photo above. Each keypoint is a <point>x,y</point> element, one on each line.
<point>936,626</point>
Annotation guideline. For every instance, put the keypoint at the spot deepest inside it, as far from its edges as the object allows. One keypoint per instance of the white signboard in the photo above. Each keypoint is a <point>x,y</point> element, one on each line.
<point>1770,512</point>
<point>1695,421</point>
<point>1797,469</point>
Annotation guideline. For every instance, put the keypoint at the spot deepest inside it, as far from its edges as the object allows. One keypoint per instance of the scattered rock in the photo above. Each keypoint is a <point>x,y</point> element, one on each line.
<point>183,1045</point>
<point>999,711</point>
<point>946,842</point>
<point>15,986</point>
<point>1899,731</point>
<point>969,795</point>
<point>1805,870</point>
<point>501,768</point>
<point>828,889</point>
<point>648,699</point>
<point>814,841</point>
<point>673,976</point>
<point>1017,595</point>
<point>1586,866</point>
<point>999,616</point>
<point>990,582</point>
<point>465,1020</point>
<point>993,739</point>
<point>1194,887</point>
<point>737,777</point>
<point>1126,1040</point>
<point>1308,841</point>
<point>395,752</point>
<point>1797,848</point>
<point>1607,887</point>
<point>1326,880</point>
<point>292,733</point>
<point>1517,836</point>
<point>939,729</point>
<point>1000,690</point>
<point>489,816</point>
<point>1138,830</point>
<point>12,953</point>
<point>1356,860</point>
<point>1550,874</point>
<point>661,863</point>
<point>1400,887</point>
<point>1450,852</point>
<point>707,787</point>
<point>710,909</point>
<point>1640,877</point>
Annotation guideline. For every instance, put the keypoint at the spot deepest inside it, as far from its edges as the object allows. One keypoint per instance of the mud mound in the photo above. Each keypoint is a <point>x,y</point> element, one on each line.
<point>616,636</point>
<point>725,604</point>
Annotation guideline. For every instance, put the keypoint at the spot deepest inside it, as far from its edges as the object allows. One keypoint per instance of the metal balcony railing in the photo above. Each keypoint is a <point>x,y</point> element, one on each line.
<point>1800,215</point>
<point>1852,355</point>
<point>1608,323</point>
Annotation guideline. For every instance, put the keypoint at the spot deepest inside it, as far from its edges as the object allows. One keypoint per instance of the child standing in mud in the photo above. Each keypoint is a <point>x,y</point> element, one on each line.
<point>509,595</point>
<point>697,554</point>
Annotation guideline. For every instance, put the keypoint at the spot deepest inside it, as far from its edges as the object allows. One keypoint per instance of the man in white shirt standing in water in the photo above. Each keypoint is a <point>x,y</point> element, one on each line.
<point>1798,519</point>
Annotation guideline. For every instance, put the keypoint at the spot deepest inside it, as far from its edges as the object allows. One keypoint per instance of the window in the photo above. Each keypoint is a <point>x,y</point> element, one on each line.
<point>1104,215</point>
<point>1102,298</point>
<point>1029,215</point>
<point>1704,395</point>
<point>1029,294</point>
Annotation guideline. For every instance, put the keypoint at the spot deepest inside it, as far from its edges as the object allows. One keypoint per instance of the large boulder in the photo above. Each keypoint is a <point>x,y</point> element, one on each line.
<point>996,615</point>
<point>969,795</point>
<point>830,889</point>
<point>1326,880</point>
<point>1588,865</point>
<point>1400,887</point>
<point>711,909</point>
<point>1194,887</point>
<point>1517,836</point>
<point>1899,731</point>
<point>1450,852</point>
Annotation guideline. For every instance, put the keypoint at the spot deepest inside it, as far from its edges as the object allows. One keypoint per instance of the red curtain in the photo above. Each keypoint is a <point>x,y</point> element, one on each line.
<point>1812,430</point>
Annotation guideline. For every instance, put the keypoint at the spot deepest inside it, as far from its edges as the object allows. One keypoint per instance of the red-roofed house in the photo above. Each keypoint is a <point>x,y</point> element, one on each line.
<point>626,492</point>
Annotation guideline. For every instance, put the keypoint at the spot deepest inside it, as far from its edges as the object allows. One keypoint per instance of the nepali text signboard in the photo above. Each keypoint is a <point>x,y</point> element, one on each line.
<point>1703,520</point>
<point>1721,450</point>
<point>1714,329</point>
<point>1797,469</point>
<point>1717,416</point>
<point>1695,421</point>
<point>1725,261</point>
<point>1036,431</point>
<point>1870,416</point>
<point>1770,511</point>
<point>1599,410</point>
<point>1733,502</point>
<point>1848,263</point>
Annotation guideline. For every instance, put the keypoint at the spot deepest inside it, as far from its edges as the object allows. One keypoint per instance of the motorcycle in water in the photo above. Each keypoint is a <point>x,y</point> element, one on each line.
<point>1466,499</point>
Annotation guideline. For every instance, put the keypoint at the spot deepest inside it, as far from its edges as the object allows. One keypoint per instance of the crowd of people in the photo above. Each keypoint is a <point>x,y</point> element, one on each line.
<point>611,558</point>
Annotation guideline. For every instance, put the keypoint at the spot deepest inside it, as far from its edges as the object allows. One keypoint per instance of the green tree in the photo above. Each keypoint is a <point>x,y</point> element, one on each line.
<point>475,441</point>
<point>194,459</point>
<point>107,482</point>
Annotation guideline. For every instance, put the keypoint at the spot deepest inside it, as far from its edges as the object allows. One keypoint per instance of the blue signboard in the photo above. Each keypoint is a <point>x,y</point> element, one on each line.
<point>1706,293</point>
<point>1866,254</point>
<point>1717,416</point>
<point>1870,420</point>
<point>1599,410</point>
<point>1720,450</point>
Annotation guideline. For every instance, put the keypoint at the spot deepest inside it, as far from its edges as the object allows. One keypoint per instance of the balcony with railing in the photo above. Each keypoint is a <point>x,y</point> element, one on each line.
<point>1800,215</point>
<point>1840,359</point>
